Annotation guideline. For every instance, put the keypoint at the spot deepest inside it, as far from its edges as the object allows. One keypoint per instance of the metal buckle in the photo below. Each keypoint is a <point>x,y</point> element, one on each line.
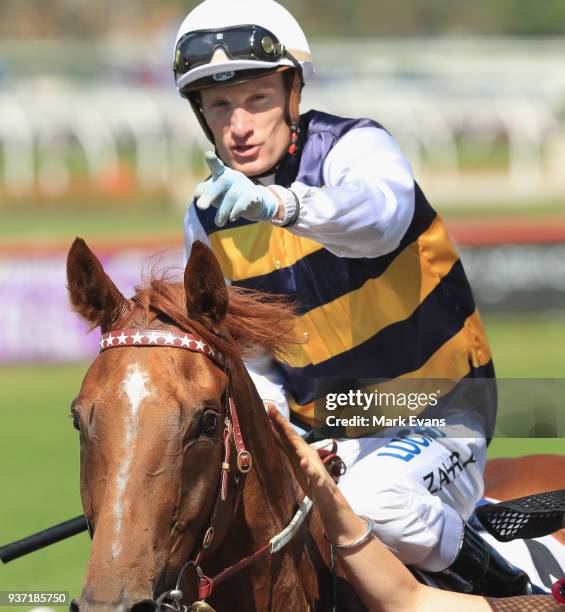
<point>244,456</point>
<point>208,537</point>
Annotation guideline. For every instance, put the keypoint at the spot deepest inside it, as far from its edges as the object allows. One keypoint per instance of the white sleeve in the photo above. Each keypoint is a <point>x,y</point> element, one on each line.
<point>193,230</point>
<point>367,202</point>
<point>268,383</point>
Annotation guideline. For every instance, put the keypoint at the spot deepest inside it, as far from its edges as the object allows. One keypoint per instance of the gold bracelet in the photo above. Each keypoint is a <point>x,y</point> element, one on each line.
<point>362,538</point>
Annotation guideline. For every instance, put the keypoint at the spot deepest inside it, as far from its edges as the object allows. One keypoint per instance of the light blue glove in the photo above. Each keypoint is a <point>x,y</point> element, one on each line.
<point>233,194</point>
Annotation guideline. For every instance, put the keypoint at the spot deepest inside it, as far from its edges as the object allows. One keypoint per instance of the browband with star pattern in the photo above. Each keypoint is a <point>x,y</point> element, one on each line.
<point>155,337</point>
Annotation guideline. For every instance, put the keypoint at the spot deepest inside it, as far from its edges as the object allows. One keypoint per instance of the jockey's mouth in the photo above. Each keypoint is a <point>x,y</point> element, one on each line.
<point>245,150</point>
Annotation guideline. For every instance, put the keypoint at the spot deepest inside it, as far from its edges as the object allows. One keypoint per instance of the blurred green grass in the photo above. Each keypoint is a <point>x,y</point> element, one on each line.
<point>39,478</point>
<point>527,346</point>
<point>39,454</point>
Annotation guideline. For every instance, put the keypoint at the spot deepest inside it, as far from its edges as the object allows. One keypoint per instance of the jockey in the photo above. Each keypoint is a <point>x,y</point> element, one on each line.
<point>326,210</point>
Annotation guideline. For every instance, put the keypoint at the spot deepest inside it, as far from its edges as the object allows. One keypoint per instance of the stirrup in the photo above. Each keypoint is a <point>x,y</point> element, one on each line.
<point>480,569</point>
<point>532,516</point>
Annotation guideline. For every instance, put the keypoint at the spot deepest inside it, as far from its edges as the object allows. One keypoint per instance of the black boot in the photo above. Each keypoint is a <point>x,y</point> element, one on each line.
<point>481,570</point>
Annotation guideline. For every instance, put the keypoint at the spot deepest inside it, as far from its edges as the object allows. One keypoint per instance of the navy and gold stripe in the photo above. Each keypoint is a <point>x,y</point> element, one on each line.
<point>393,296</point>
<point>397,348</point>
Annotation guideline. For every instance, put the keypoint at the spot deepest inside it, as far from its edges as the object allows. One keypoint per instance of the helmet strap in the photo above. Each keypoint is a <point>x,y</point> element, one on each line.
<point>193,98</point>
<point>294,104</point>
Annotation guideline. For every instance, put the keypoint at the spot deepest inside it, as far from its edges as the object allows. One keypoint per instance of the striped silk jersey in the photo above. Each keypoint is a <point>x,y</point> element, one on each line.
<point>408,313</point>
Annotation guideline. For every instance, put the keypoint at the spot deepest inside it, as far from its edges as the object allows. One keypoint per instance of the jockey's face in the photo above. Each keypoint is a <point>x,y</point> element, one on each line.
<point>248,122</point>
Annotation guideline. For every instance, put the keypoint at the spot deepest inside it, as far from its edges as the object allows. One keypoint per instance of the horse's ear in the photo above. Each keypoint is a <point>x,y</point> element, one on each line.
<point>93,294</point>
<point>205,287</point>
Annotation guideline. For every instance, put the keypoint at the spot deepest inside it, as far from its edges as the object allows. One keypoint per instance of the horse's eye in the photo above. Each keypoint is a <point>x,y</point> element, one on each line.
<point>209,422</point>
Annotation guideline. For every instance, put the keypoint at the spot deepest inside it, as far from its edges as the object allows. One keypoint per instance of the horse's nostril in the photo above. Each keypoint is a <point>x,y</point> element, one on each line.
<point>145,605</point>
<point>74,606</point>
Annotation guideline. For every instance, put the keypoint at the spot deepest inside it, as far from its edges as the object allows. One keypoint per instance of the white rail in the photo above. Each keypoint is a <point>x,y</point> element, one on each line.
<point>431,95</point>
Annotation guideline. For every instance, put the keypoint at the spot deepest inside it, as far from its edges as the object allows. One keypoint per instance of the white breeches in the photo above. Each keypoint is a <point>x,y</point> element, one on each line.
<point>417,489</point>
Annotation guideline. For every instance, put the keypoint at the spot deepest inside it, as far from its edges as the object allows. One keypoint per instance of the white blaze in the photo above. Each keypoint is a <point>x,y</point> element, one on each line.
<point>136,391</point>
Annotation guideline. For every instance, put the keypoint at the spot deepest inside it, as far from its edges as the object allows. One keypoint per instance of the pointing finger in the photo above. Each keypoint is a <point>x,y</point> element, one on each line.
<point>214,163</point>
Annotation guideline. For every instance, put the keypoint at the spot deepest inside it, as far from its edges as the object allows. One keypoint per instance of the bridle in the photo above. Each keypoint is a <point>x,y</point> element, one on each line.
<point>171,599</point>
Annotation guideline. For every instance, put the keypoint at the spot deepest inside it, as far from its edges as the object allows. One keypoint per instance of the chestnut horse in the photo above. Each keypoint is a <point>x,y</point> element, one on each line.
<point>167,439</point>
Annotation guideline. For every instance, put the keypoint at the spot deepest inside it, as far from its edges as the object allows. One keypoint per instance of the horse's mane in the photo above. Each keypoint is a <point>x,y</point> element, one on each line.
<point>254,320</point>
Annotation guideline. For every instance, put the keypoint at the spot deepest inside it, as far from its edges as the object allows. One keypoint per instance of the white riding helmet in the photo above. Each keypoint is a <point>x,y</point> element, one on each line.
<point>222,42</point>
<point>212,16</point>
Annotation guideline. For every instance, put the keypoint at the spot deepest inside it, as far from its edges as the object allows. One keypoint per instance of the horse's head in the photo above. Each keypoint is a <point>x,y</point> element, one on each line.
<point>152,422</point>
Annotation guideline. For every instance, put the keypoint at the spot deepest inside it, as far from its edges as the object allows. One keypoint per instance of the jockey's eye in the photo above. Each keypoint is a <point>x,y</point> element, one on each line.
<point>209,423</point>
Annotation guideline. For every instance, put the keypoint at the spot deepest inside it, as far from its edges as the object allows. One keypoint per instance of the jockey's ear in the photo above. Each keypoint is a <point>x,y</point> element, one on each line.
<point>205,287</point>
<point>93,294</point>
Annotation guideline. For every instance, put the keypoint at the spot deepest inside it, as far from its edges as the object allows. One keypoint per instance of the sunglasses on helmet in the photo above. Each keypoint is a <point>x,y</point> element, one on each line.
<point>238,42</point>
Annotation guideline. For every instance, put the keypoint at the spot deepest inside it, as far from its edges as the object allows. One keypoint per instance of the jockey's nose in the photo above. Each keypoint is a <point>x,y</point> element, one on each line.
<point>143,605</point>
<point>241,123</point>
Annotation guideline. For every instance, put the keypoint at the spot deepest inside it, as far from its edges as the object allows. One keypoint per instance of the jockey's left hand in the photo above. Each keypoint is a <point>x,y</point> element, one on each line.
<point>234,194</point>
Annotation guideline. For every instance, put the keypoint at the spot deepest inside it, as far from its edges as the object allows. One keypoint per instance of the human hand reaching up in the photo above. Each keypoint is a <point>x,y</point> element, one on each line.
<point>341,523</point>
<point>306,463</point>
